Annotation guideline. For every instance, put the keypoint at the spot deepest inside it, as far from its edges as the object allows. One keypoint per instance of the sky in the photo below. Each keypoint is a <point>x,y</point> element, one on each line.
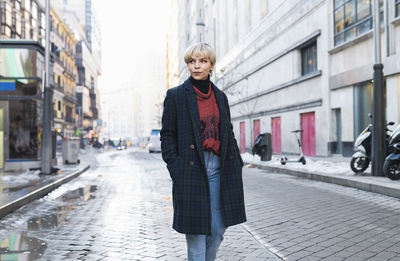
<point>129,28</point>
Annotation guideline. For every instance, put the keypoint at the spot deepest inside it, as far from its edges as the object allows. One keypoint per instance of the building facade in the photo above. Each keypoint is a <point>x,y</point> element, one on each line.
<point>302,64</point>
<point>121,117</point>
<point>81,18</point>
<point>64,78</point>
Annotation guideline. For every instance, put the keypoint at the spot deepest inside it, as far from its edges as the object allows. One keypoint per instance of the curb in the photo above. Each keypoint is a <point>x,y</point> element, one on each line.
<point>362,185</point>
<point>40,192</point>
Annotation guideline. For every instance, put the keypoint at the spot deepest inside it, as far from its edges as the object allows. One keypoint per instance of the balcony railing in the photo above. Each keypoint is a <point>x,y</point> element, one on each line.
<point>70,97</point>
<point>70,120</point>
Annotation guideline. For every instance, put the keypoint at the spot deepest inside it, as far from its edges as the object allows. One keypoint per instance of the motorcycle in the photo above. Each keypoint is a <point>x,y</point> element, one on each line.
<point>391,166</point>
<point>362,157</point>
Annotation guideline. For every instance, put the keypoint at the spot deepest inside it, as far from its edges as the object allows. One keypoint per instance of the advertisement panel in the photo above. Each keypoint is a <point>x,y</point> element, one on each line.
<point>21,63</point>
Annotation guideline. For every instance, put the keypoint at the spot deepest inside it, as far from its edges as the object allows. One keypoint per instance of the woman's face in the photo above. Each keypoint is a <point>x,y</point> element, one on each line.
<point>199,67</point>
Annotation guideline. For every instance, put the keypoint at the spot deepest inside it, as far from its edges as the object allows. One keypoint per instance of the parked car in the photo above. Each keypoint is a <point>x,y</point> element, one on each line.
<point>154,141</point>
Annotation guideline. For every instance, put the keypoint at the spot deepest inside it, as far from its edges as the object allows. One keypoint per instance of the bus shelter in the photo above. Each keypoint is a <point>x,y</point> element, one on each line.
<point>21,69</point>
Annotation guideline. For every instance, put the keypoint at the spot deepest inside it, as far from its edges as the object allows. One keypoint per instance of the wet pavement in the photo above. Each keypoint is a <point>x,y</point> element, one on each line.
<point>16,184</point>
<point>121,209</point>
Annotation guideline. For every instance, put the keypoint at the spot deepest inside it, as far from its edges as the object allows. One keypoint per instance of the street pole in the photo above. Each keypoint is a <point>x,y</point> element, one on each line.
<point>46,135</point>
<point>378,111</point>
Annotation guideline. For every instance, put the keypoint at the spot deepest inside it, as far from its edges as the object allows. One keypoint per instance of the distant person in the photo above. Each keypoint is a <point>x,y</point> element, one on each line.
<point>202,157</point>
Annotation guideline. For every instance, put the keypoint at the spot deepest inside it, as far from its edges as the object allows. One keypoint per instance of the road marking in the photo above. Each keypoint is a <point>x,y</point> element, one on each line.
<point>263,243</point>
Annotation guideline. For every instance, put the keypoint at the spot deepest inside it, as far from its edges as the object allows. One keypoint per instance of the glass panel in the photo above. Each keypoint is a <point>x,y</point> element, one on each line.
<point>28,5</point>
<point>398,9</point>
<point>350,34</point>
<point>309,59</point>
<point>365,26</point>
<point>339,19</point>
<point>363,9</point>
<point>349,13</point>
<point>338,3</point>
<point>362,106</point>
<point>23,139</point>
<point>339,38</point>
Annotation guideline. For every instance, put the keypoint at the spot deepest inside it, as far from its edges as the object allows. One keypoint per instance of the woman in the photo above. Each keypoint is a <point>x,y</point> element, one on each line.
<point>202,157</point>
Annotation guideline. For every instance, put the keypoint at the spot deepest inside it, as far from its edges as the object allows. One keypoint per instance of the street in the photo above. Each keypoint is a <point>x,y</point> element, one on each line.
<point>121,209</point>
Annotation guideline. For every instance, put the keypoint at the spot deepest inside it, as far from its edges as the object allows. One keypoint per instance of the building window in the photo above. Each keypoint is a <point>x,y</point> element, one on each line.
<point>309,58</point>
<point>397,8</point>
<point>352,18</point>
<point>363,95</point>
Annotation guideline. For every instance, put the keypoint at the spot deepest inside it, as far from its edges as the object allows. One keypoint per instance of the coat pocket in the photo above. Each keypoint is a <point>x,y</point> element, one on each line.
<point>174,168</point>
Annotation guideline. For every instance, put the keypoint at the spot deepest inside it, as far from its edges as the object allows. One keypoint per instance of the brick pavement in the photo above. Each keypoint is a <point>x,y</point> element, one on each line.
<point>126,217</point>
<point>300,219</point>
<point>121,210</point>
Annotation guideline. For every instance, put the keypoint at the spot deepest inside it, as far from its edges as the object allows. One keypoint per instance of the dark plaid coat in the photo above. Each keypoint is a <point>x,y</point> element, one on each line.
<point>182,150</point>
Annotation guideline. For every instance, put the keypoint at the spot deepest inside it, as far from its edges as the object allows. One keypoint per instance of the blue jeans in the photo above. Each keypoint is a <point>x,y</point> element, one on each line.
<point>205,247</point>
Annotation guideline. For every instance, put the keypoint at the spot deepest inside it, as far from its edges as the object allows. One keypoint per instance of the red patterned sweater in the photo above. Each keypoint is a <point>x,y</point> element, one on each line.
<point>209,120</point>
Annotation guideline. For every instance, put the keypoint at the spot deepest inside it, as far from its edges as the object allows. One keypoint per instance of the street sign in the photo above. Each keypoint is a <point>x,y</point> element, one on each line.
<point>7,85</point>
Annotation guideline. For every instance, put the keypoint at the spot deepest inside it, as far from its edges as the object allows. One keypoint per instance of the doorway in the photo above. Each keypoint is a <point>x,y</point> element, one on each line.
<point>256,129</point>
<point>242,137</point>
<point>276,135</point>
<point>308,134</point>
<point>338,124</point>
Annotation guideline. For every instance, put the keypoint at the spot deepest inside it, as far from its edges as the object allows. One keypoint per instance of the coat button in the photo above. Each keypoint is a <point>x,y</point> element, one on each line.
<point>192,146</point>
<point>230,157</point>
<point>191,163</point>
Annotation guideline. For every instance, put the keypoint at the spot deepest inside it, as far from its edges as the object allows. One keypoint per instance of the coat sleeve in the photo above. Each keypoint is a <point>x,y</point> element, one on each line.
<point>169,141</point>
<point>231,127</point>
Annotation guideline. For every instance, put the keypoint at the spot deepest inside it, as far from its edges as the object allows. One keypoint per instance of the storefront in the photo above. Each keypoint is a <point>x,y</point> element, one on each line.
<point>21,68</point>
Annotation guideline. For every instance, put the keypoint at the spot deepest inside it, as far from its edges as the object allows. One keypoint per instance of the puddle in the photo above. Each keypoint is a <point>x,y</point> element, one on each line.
<point>21,247</point>
<point>80,194</point>
<point>57,217</point>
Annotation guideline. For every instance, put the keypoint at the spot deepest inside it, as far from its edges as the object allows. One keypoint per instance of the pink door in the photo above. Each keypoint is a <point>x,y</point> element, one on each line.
<point>276,135</point>
<point>242,138</point>
<point>308,134</point>
<point>256,128</point>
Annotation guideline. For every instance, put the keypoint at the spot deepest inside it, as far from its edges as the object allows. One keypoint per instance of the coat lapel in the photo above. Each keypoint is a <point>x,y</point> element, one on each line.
<point>195,118</point>
<point>224,124</point>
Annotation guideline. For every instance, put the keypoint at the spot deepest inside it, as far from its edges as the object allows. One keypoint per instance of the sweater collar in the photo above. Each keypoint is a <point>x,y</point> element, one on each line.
<point>202,85</point>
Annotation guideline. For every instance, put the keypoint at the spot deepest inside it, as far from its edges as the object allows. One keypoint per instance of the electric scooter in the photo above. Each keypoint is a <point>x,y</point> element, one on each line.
<point>301,158</point>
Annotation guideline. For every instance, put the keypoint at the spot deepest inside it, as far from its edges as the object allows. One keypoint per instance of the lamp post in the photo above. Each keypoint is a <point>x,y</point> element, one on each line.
<point>46,135</point>
<point>378,117</point>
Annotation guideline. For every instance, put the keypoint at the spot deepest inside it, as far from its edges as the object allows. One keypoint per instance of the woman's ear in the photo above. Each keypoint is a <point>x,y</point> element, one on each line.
<point>211,70</point>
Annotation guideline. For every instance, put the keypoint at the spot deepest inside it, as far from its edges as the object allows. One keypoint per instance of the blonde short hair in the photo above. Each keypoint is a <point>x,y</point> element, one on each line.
<point>200,49</point>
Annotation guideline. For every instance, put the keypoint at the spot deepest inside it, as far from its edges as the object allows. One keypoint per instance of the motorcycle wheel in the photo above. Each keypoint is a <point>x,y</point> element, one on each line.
<point>359,165</point>
<point>283,160</point>
<point>391,169</point>
<point>303,161</point>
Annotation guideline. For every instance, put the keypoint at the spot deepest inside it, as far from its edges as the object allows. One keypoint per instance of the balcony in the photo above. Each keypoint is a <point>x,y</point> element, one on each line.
<point>70,98</point>
<point>69,74</point>
<point>70,120</point>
